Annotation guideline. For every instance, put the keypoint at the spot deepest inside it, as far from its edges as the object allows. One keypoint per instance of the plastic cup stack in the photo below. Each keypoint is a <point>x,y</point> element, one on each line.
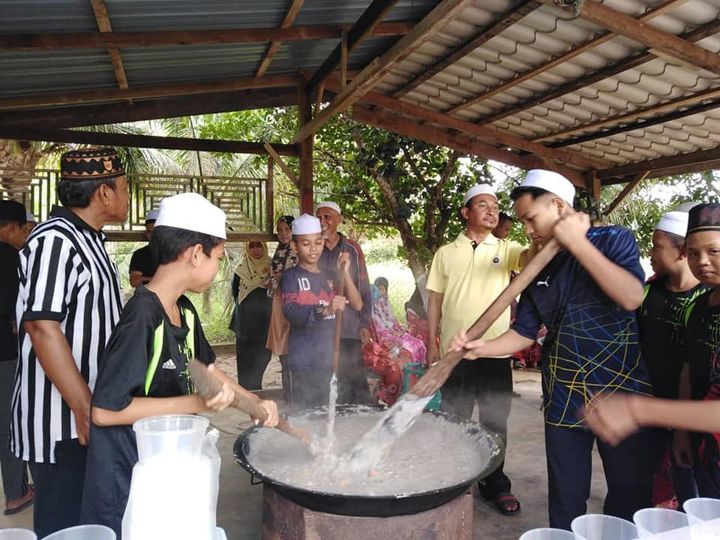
<point>653,521</point>
<point>17,534</point>
<point>601,527</point>
<point>548,534</point>
<point>84,532</point>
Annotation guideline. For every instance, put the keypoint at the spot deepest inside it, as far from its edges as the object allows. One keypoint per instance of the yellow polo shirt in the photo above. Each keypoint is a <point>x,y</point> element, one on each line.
<point>470,279</point>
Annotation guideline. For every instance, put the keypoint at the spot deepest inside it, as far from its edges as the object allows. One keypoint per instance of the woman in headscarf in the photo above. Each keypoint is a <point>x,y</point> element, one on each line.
<point>252,314</point>
<point>284,259</point>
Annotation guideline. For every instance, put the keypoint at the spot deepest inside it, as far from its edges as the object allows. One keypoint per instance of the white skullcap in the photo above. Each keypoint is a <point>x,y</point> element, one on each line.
<point>328,204</point>
<point>550,181</point>
<point>192,212</point>
<point>29,217</point>
<point>674,223</point>
<point>152,215</point>
<point>479,189</point>
<point>306,224</point>
<point>686,207</point>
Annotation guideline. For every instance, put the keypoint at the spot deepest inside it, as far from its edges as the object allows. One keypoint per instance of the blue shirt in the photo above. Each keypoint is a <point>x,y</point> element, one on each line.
<point>592,344</point>
<point>303,293</point>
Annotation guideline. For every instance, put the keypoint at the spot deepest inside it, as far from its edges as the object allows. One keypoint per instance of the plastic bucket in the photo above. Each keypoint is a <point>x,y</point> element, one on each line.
<point>412,371</point>
<point>652,521</point>
<point>17,534</point>
<point>170,434</point>
<point>548,534</point>
<point>601,527</point>
<point>84,532</point>
<point>702,509</point>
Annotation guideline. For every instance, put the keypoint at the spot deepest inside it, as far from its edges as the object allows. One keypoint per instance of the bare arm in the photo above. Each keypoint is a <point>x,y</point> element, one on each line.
<point>434,313</point>
<point>142,407</point>
<point>55,357</point>
<point>502,346</point>
<point>351,291</point>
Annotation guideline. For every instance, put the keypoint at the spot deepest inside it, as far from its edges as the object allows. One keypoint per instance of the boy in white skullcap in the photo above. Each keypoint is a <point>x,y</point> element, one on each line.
<point>144,369</point>
<point>662,338</point>
<point>586,297</point>
<point>310,305</point>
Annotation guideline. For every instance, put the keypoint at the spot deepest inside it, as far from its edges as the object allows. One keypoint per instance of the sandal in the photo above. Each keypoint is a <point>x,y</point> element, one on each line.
<point>30,498</point>
<point>507,504</point>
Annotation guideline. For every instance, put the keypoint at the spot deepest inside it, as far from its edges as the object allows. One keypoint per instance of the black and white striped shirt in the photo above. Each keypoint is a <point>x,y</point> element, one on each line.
<point>65,276</point>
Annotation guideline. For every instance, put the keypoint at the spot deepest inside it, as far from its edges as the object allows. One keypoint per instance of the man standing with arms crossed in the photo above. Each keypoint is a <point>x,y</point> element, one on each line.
<point>68,304</point>
<point>465,277</point>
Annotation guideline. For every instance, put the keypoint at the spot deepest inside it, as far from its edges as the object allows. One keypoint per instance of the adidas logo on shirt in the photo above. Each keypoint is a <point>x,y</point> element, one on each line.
<point>169,364</point>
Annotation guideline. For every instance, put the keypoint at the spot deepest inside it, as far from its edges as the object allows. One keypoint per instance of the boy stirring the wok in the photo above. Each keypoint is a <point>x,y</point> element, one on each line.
<point>144,369</point>
<point>310,305</point>
<point>586,297</point>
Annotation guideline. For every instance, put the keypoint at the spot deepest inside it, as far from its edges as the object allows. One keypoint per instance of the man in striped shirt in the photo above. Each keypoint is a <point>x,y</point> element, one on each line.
<point>68,303</point>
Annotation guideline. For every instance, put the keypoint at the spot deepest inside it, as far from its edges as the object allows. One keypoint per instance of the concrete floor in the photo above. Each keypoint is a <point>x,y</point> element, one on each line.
<point>240,510</point>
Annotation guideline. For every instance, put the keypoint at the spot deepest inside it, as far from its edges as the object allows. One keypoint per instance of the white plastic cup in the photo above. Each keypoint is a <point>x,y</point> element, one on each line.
<point>221,534</point>
<point>170,434</point>
<point>548,534</point>
<point>83,532</point>
<point>702,509</point>
<point>652,521</point>
<point>17,534</point>
<point>602,527</point>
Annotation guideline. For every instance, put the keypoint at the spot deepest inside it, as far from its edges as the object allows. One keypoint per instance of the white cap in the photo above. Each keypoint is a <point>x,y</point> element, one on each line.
<point>674,223</point>
<point>550,181</point>
<point>306,224</point>
<point>328,204</point>
<point>29,217</point>
<point>152,215</point>
<point>192,212</point>
<point>686,207</point>
<point>479,189</point>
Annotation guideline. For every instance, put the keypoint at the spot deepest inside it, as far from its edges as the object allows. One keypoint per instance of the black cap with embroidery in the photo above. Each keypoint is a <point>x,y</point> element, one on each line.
<point>90,164</point>
<point>12,211</point>
<point>704,217</point>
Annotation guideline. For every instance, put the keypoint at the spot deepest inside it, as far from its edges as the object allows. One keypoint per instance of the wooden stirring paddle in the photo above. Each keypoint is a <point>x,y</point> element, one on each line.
<point>438,373</point>
<point>208,386</point>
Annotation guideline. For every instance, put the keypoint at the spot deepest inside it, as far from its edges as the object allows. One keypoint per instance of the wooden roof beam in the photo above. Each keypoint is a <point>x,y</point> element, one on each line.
<point>98,96</point>
<point>591,78</point>
<point>378,68</point>
<point>653,38</point>
<point>514,13</point>
<point>363,27</point>
<point>274,45</point>
<point>489,134</point>
<point>166,38</point>
<point>468,145</point>
<point>103,22</point>
<point>631,185</point>
<point>554,62</point>
<point>144,141</point>
<point>680,160</point>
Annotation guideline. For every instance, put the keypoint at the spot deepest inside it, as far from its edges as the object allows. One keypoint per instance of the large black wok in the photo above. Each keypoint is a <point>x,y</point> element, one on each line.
<point>376,506</point>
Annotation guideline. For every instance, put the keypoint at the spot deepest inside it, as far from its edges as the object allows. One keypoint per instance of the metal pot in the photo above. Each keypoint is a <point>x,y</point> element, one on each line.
<point>375,506</point>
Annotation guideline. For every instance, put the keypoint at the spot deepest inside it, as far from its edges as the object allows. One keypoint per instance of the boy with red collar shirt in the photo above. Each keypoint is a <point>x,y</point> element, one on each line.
<point>586,297</point>
<point>144,369</point>
<point>310,305</point>
<point>616,417</point>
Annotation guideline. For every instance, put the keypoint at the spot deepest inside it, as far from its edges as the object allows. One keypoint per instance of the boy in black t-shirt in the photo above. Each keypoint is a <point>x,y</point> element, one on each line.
<point>310,305</point>
<point>662,338</point>
<point>143,371</point>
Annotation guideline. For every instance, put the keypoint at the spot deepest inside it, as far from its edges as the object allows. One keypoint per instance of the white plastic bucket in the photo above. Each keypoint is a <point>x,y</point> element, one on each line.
<point>17,534</point>
<point>548,534</point>
<point>170,434</point>
<point>652,521</point>
<point>601,527</point>
<point>84,532</point>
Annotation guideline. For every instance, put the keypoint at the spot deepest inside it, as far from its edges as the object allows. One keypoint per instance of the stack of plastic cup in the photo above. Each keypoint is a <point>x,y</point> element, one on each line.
<point>601,527</point>
<point>17,534</point>
<point>548,534</point>
<point>652,521</point>
<point>83,532</point>
<point>701,510</point>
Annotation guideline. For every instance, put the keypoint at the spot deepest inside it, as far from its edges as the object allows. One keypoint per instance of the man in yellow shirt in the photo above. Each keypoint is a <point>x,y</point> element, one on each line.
<point>465,277</point>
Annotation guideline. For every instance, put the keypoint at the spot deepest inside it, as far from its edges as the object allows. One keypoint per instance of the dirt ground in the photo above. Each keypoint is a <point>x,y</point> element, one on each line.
<point>240,503</point>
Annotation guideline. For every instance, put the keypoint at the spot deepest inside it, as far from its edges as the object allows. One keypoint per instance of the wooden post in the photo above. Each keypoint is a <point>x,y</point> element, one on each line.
<point>306,152</point>
<point>270,197</point>
<point>343,59</point>
<point>594,188</point>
